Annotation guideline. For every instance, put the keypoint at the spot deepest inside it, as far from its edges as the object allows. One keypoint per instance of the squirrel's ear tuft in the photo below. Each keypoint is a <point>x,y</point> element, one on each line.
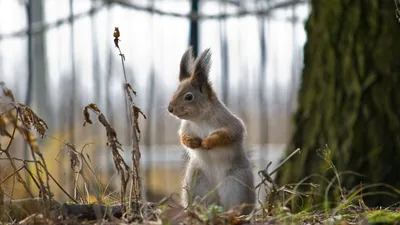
<point>186,64</point>
<point>202,67</point>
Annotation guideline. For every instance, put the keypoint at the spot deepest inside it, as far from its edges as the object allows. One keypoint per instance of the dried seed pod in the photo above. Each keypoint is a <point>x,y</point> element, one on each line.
<point>116,36</point>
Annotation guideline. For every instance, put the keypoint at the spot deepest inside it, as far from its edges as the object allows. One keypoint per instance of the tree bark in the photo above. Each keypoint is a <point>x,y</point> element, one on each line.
<point>348,99</point>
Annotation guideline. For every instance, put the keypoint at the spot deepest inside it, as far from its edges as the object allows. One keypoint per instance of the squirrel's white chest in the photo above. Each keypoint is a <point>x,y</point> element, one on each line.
<point>215,162</point>
<point>202,130</point>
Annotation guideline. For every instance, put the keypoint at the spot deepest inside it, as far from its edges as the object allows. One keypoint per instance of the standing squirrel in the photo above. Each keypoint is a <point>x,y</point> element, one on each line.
<point>218,169</point>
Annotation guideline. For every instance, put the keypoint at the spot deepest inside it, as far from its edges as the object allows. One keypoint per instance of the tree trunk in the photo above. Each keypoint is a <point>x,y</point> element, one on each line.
<point>349,98</point>
<point>224,56</point>
<point>149,129</point>
<point>73,75</point>
<point>194,28</point>
<point>38,98</point>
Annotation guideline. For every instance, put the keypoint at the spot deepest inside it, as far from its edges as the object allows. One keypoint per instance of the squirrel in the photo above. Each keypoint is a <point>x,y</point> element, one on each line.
<point>218,170</point>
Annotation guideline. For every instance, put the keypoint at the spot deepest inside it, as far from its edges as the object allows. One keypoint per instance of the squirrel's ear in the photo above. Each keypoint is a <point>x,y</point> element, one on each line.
<point>202,67</point>
<point>186,64</point>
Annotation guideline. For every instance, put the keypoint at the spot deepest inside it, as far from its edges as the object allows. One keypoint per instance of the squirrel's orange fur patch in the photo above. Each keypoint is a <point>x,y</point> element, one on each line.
<point>190,142</point>
<point>217,139</point>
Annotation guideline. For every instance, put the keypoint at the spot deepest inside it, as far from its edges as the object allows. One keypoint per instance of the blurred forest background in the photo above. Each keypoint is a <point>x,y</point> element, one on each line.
<point>58,56</point>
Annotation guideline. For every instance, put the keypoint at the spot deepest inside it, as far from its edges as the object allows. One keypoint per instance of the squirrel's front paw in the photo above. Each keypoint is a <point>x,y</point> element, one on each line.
<point>191,142</point>
<point>208,143</point>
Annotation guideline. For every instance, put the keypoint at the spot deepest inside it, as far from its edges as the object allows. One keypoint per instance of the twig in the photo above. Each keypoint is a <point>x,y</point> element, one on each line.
<point>25,161</point>
<point>62,189</point>
<point>6,151</point>
<point>276,169</point>
<point>19,178</point>
<point>12,174</point>
<point>32,176</point>
<point>41,185</point>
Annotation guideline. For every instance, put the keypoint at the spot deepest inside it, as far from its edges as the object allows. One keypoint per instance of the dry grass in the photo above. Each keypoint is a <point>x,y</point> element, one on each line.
<point>110,208</point>
<point>23,119</point>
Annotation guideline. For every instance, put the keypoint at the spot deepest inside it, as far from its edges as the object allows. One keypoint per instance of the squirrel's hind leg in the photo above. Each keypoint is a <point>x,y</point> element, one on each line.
<point>196,186</point>
<point>238,189</point>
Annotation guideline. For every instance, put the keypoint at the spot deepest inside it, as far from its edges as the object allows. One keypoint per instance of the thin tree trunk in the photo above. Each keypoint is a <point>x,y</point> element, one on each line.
<point>293,85</point>
<point>73,75</point>
<point>224,57</point>
<point>39,97</point>
<point>194,28</point>
<point>263,104</point>
<point>109,104</point>
<point>149,126</point>
<point>160,119</point>
<point>97,78</point>
<point>72,102</point>
<point>149,113</point>
<point>95,53</point>
<point>28,98</point>
<point>36,96</point>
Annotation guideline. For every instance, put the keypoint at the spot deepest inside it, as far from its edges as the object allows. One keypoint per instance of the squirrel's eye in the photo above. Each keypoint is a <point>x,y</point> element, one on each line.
<point>188,96</point>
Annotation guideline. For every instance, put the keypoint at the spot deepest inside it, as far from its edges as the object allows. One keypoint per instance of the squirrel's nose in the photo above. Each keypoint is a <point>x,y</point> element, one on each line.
<point>170,108</point>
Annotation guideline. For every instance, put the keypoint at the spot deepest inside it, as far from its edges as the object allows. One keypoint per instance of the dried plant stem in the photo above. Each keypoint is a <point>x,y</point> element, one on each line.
<point>42,186</point>
<point>266,178</point>
<point>2,205</point>
<point>11,174</point>
<point>19,178</point>
<point>44,189</point>
<point>29,120</point>
<point>136,183</point>
<point>123,65</point>
<point>76,191</point>
<point>112,141</point>
<point>77,161</point>
<point>31,174</point>
<point>24,120</point>
<point>61,188</point>
<point>88,164</point>
<point>6,151</point>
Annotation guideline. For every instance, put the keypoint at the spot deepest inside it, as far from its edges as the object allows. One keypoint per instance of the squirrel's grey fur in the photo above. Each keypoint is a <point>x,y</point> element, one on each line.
<point>221,175</point>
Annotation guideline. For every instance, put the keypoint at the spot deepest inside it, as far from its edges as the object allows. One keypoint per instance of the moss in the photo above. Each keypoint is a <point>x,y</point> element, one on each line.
<point>383,216</point>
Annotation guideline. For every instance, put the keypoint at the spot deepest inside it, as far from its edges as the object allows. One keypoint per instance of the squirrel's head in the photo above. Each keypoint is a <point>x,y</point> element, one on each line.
<point>194,96</point>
